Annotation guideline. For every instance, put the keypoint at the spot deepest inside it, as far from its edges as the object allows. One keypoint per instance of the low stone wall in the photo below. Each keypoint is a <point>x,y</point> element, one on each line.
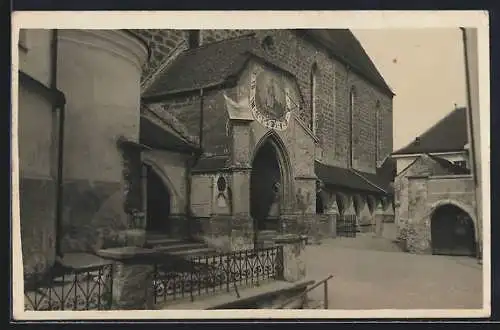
<point>415,238</point>
<point>316,226</point>
<point>224,232</point>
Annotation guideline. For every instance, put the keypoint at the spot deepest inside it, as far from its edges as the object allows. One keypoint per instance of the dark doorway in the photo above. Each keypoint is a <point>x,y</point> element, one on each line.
<point>265,188</point>
<point>320,208</point>
<point>452,232</point>
<point>158,203</point>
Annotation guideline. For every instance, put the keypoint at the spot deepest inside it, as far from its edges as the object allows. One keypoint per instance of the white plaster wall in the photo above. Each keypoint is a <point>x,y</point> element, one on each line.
<point>99,74</point>
<point>35,60</point>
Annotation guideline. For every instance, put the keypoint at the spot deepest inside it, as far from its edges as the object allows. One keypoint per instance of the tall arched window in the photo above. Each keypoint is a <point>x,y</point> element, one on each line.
<point>314,74</point>
<point>377,133</point>
<point>352,100</point>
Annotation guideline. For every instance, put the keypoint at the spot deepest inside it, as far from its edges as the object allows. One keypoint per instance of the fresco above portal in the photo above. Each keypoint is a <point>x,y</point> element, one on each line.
<point>273,97</point>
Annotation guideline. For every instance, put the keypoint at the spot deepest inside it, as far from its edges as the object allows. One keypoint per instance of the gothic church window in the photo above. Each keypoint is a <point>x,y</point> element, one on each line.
<point>352,103</point>
<point>377,132</point>
<point>314,74</point>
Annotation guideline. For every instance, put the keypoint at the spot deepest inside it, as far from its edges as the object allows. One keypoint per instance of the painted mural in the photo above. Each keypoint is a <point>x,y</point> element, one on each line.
<point>273,98</point>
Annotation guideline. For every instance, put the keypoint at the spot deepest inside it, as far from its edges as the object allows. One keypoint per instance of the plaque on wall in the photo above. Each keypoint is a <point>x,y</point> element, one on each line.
<point>272,98</point>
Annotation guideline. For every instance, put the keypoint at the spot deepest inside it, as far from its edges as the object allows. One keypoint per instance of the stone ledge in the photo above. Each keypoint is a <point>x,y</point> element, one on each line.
<point>79,261</point>
<point>290,238</point>
<point>247,294</point>
<point>126,253</point>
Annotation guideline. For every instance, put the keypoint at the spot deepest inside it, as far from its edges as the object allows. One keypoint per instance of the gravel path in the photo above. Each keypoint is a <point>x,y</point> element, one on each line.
<point>371,273</point>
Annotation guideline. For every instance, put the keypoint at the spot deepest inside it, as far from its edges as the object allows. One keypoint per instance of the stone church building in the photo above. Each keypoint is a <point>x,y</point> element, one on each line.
<point>218,136</point>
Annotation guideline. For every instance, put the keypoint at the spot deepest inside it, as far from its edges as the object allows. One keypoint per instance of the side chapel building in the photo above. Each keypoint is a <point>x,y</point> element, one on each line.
<point>215,135</point>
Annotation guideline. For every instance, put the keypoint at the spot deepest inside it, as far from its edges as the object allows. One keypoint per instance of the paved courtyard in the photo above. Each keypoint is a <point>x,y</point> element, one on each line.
<point>371,273</point>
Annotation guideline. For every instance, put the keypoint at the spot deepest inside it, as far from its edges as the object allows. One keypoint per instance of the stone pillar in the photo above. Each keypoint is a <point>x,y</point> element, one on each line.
<point>294,264</point>
<point>241,226</point>
<point>378,216</point>
<point>132,278</point>
<point>99,72</point>
<point>363,213</point>
<point>349,205</point>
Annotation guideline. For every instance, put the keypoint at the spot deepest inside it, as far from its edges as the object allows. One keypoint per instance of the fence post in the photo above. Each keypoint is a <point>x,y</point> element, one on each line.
<point>132,286</point>
<point>293,257</point>
<point>325,291</point>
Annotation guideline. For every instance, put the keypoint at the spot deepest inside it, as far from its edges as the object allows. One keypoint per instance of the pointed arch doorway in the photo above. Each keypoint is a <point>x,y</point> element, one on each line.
<point>269,184</point>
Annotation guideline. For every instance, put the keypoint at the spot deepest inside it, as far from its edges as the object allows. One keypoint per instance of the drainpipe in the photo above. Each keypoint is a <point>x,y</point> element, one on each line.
<point>60,146</point>
<point>471,133</point>
<point>195,157</point>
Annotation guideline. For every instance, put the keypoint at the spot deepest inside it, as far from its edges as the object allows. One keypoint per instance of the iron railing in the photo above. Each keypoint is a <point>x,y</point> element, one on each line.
<point>188,277</point>
<point>303,294</point>
<point>82,289</point>
<point>346,226</point>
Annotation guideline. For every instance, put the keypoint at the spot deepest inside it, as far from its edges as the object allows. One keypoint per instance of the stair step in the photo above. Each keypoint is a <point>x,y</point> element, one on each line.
<point>163,241</point>
<point>193,252</point>
<point>180,247</point>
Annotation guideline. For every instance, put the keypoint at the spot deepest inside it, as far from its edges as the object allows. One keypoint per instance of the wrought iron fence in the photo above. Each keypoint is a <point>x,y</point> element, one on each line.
<point>176,278</point>
<point>346,226</point>
<point>85,289</point>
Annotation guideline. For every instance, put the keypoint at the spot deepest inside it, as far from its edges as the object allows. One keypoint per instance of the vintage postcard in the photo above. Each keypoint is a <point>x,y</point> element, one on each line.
<point>238,165</point>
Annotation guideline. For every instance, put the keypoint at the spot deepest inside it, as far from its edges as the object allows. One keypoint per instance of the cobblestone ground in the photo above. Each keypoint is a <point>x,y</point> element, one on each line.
<point>371,273</point>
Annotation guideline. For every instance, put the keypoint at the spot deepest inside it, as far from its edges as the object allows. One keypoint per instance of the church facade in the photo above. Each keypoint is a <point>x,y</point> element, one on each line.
<point>223,136</point>
<point>281,131</point>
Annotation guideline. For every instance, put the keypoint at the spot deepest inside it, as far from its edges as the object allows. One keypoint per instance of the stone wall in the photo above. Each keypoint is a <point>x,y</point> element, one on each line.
<point>187,109</point>
<point>425,195</point>
<point>37,185</point>
<point>99,178</point>
<point>161,42</point>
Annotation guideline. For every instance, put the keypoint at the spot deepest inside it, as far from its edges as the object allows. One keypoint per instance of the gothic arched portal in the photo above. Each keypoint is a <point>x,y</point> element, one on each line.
<point>269,183</point>
<point>452,231</point>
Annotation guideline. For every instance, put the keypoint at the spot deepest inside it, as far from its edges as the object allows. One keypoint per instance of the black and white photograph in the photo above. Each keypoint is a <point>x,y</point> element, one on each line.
<point>253,164</point>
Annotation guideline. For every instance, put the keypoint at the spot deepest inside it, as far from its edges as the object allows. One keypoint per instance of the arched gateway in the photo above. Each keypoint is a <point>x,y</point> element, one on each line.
<point>452,231</point>
<point>269,183</point>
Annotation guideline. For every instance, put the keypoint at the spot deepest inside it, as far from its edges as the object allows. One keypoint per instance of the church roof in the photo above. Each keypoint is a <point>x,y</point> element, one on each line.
<point>158,129</point>
<point>448,134</point>
<point>206,66</point>
<point>217,63</point>
<point>346,178</point>
<point>342,43</point>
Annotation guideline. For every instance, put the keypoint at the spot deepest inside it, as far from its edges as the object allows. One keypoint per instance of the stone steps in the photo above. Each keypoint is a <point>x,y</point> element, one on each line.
<point>177,247</point>
<point>266,237</point>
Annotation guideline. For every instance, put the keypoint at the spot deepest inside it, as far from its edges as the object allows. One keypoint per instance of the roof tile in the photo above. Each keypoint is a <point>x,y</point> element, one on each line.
<point>448,134</point>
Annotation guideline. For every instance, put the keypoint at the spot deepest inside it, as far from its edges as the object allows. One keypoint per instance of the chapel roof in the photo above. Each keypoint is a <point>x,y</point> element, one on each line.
<point>346,178</point>
<point>447,135</point>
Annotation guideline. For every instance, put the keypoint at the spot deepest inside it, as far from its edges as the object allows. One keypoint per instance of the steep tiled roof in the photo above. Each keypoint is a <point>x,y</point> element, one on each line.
<point>378,180</point>
<point>344,45</point>
<point>343,177</point>
<point>160,130</point>
<point>202,67</point>
<point>213,64</point>
<point>448,134</point>
<point>211,163</point>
